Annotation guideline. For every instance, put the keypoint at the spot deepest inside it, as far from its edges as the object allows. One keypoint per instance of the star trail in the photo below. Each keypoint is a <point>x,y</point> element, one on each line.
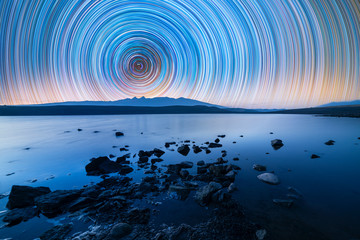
<point>239,53</point>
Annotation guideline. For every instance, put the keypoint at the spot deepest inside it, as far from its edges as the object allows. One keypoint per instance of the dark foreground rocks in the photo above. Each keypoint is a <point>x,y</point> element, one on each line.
<point>24,196</point>
<point>102,165</point>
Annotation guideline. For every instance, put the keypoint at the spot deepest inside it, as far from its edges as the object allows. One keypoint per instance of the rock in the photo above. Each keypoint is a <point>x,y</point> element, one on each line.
<point>197,149</point>
<point>18,215</point>
<point>314,156</point>
<point>236,159</point>
<point>56,202</point>
<point>158,153</point>
<point>186,164</point>
<point>119,134</point>
<point>207,151</point>
<point>232,187</point>
<point>201,170</point>
<point>330,142</point>
<point>259,168</point>
<point>277,144</point>
<point>221,161</point>
<point>111,156</point>
<point>220,196</point>
<point>221,136</point>
<point>101,165</point>
<point>167,144</point>
<point>295,191</point>
<point>145,153</point>
<point>143,159</point>
<point>80,203</point>
<point>120,230</point>
<point>184,173</point>
<point>123,149</point>
<point>215,145</point>
<point>201,163</point>
<point>9,174</point>
<point>181,192</point>
<point>125,169</point>
<point>204,194</point>
<point>269,178</point>
<point>156,160</point>
<point>184,150</point>
<point>79,129</point>
<point>24,196</point>
<point>260,234</point>
<point>138,216</point>
<point>231,175</point>
<point>284,202</point>
<point>56,233</point>
<point>217,140</point>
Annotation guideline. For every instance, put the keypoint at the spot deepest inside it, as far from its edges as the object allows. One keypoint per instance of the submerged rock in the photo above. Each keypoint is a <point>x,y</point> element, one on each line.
<point>269,178</point>
<point>204,194</point>
<point>120,230</point>
<point>181,192</point>
<point>260,234</point>
<point>24,196</point>
<point>184,150</point>
<point>284,202</point>
<point>259,168</point>
<point>277,144</point>
<point>102,165</point>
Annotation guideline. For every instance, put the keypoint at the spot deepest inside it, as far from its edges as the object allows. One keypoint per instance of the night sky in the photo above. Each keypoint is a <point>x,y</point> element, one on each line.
<point>239,53</point>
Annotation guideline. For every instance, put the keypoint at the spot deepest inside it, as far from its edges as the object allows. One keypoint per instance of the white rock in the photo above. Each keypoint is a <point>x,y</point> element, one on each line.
<point>269,178</point>
<point>260,234</point>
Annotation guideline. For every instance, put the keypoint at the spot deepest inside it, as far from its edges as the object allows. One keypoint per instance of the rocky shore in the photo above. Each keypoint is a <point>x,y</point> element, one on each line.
<point>109,206</point>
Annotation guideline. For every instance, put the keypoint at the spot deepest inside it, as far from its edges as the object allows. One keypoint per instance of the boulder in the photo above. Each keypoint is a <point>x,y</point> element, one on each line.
<point>184,150</point>
<point>259,168</point>
<point>330,142</point>
<point>277,144</point>
<point>204,194</point>
<point>181,192</point>
<point>101,165</point>
<point>197,149</point>
<point>57,232</point>
<point>186,164</point>
<point>158,153</point>
<point>18,215</point>
<point>269,178</point>
<point>119,134</point>
<point>215,145</point>
<point>125,169</point>
<point>56,202</point>
<point>120,230</point>
<point>201,163</point>
<point>23,196</point>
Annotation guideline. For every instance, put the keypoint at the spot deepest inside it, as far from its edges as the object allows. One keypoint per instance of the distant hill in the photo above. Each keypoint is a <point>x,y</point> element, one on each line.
<point>111,110</point>
<point>137,102</point>
<point>333,111</point>
<point>333,104</point>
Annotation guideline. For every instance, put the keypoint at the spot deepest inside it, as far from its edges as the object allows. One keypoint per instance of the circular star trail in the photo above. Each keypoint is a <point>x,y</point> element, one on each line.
<point>280,53</point>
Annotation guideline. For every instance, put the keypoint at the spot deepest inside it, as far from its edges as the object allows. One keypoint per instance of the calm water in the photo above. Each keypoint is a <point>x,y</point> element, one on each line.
<point>330,184</point>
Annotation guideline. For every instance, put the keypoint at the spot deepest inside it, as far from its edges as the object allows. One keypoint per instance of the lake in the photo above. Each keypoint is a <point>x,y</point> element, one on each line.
<point>50,151</point>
